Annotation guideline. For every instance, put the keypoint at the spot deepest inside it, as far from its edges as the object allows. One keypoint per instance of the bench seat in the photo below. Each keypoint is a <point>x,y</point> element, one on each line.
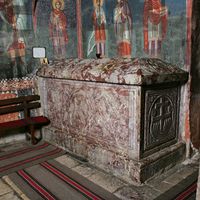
<point>28,123</point>
<point>23,123</point>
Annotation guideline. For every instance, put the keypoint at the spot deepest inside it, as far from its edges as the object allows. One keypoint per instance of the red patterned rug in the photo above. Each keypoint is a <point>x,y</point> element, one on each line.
<point>30,155</point>
<point>52,180</point>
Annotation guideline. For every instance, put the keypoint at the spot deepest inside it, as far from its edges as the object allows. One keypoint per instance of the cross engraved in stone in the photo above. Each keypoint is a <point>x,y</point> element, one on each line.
<point>161,116</point>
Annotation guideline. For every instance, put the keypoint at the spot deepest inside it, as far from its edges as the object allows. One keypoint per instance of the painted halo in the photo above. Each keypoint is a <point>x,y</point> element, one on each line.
<point>62,4</point>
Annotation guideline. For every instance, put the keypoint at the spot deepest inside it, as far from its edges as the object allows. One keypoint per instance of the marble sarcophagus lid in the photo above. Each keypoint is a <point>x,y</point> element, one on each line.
<point>122,115</point>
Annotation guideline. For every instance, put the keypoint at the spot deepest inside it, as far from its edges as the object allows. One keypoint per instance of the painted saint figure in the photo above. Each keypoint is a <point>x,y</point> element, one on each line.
<point>123,28</point>
<point>17,48</point>
<point>99,24</point>
<point>16,52</point>
<point>155,26</point>
<point>57,29</point>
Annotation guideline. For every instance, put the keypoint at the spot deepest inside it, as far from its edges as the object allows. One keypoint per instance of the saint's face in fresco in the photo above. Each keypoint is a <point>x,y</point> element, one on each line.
<point>58,5</point>
<point>98,3</point>
<point>120,3</point>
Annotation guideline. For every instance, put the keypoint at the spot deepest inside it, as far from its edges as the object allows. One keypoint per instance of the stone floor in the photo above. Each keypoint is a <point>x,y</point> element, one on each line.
<point>125,191</point>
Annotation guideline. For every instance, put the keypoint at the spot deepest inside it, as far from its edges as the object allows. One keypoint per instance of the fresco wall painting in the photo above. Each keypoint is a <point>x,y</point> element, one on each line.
<point>90,29</point>
<point>154,26</point>
<point>57,29</point>
<point>123,28</point>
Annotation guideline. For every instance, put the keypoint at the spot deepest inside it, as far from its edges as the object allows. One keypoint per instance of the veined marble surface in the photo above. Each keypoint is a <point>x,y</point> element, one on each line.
<point>135,71</point>
<point>99,113</point>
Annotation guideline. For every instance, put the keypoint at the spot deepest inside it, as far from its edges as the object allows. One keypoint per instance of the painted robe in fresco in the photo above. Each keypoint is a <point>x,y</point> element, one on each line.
<point>123,28</point>
<point>16,52</point>
<point>58,33</point>
<point>155,26</point>
<point>15,46</point>
<point>99,23</point>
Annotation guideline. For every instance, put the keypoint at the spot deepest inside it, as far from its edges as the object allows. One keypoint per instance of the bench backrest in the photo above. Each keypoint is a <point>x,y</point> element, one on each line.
<point>23,103</point>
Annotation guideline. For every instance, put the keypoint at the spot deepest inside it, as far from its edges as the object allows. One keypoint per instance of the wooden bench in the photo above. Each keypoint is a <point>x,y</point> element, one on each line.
<point>28,123</point>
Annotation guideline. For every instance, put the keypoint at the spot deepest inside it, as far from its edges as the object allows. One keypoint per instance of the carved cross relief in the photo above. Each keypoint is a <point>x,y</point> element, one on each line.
<point>160,114</point>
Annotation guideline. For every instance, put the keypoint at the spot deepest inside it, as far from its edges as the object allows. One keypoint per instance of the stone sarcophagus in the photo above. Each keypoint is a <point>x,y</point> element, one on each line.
<point>122,115</point>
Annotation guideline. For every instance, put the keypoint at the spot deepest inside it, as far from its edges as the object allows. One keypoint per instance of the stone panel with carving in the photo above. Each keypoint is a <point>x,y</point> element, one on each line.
<point>98,113</point>
<point>161,117</point>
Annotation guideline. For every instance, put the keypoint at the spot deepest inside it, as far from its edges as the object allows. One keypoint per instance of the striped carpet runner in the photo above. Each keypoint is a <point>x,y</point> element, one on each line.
<point>52,181</point>
<point>32,169</point>
<point>14,160</point>
<point>184,190</point>
<point>188,193</point>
